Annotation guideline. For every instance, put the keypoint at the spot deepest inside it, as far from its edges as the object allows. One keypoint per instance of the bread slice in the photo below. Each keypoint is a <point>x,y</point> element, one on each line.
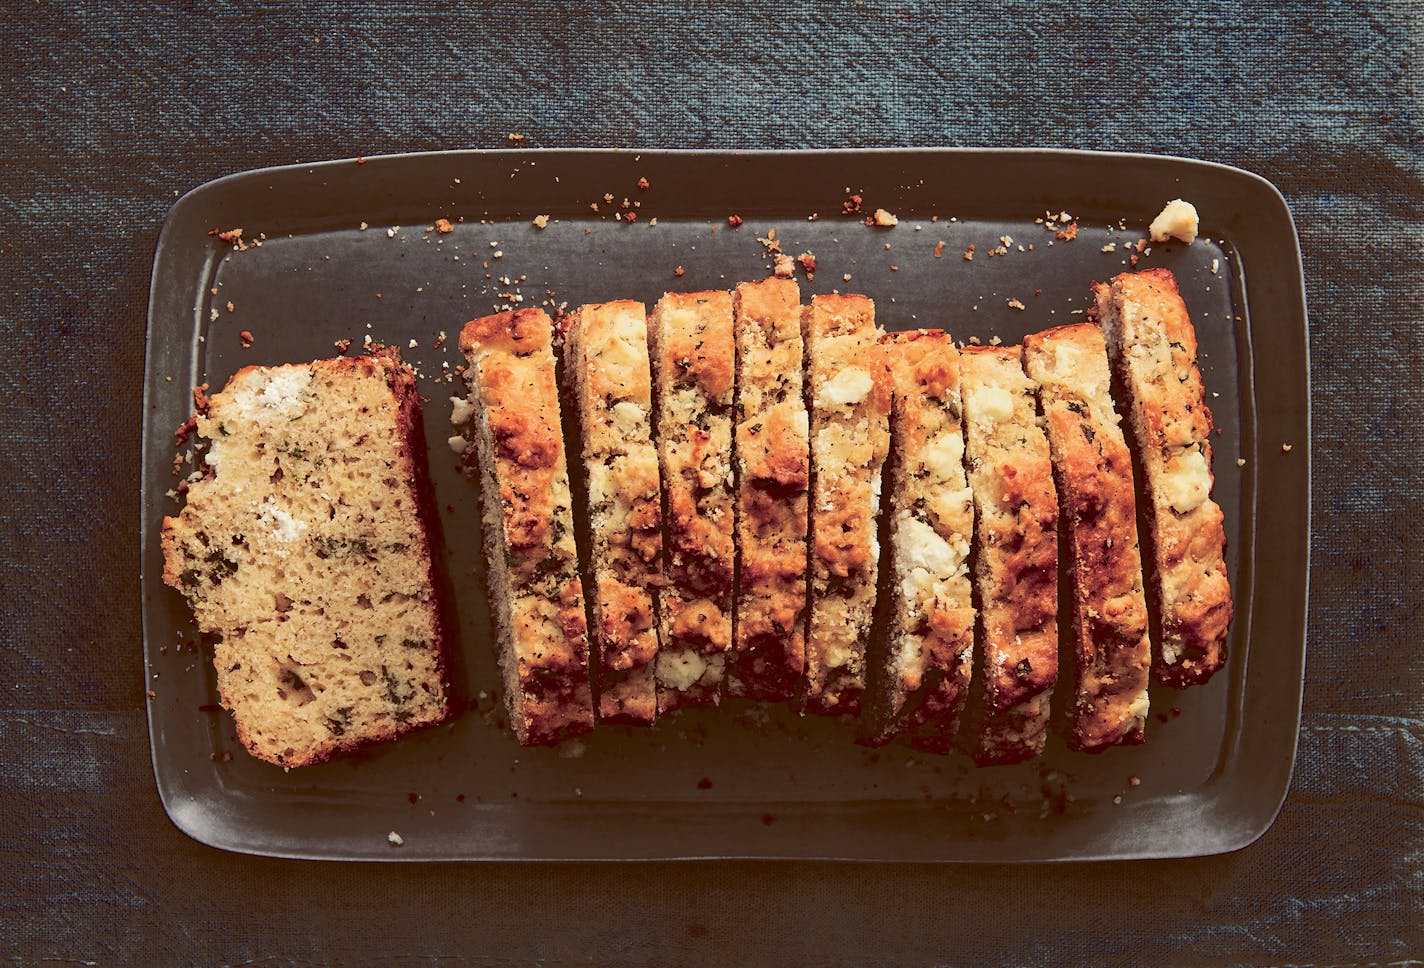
<point>1016,556</point>
<point>848,389</point>
<point>306,549</point>
<point>606,369</point>
<point>535,591</point>
<point>690,337</point>
<point>1112,654</point>
<point>1154,351</point>
<point>773,466</point>
<point>919,684</point>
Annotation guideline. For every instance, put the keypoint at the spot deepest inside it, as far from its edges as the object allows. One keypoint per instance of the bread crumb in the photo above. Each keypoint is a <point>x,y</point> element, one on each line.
<point>443,226</point>
<point>541,221</point>
<point>513,138</point>
<point>679,271</point>
<point>938,249</point>
<point>808,264</point>
<point>1177,220</point>
<point>342,345</point>
<point>785,267</point>
<point>969,253</point>
<point>1110,247</point>
<point>846,277</point>
<point>642,183</point>
<point>1285,448</point>
<point>1068,233</point>
<point>1240,462</point>
<point>245,337</point>
<point>882,218</point>
<point>230,307</point>
<point>734,220</point>
<point>395,839</point>
<point>1016,304</point>
<point>852,203</point>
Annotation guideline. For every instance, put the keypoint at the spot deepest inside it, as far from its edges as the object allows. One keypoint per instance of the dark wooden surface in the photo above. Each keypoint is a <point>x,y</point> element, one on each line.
<point>106,111</point>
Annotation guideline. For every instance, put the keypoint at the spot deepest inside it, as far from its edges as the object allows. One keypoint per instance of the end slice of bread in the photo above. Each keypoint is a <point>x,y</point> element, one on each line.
<point>919,683</point>
<point>1154,351</point>
<point>607,371</point>
<point>535,591</point>
<point>1112,653</point>
<point>690,341</point>
<point>848,398</point>
<point>773,457</point>
<point>1016,557</point>
<point>306,549</point>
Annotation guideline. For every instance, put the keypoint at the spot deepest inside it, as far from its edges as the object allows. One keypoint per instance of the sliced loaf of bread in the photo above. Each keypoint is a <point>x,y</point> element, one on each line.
<point>921,679</point>
<point>1016,557</point>
<point>536,595</point>
<point>690,340</point>
<point>773,466</point>
<point>848,393</point>
<point>1154,351</point>
<point>305,548</point>
<point>606,370</point>
<point>1112,654</point>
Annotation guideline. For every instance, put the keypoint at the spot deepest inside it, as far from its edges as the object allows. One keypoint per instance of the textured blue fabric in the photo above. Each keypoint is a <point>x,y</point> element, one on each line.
<point>108,111</point>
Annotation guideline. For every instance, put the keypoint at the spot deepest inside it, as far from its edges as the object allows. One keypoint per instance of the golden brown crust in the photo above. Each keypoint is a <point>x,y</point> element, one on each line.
<point>533,567</point>
<point>919,684</point>
<point>1016,546</point>
<point>848,392</point>
<point>690,337</point>
<point>302,597</point>
<point>1154,351</point>
<point>1093,469</point>
<point>607,372</point>
<point>774,463</point>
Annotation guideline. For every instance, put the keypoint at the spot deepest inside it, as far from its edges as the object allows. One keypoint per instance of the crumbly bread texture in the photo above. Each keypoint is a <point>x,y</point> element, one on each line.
<point>1016,557</point>
<point>690,338</point>
<point>1112,653</point>
<point>848,392</point>
<point>606,369</point>
<point>305,548</point>
<point>919,683</point>
<point>773,462</point>
<point>1154,351</point>
<point>536,595</point>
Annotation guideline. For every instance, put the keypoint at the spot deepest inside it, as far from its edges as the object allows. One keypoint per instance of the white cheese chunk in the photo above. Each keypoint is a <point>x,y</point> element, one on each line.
<point>846,388</point>
<point>991,405</point>
<point>1177,220</point>
<point>1186,481</point>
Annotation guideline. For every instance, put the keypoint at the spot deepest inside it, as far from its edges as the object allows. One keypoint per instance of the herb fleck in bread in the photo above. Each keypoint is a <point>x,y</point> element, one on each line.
<point>919,683</point>
<point>1016,557</point>
<point>1093,469</point>
<point>306,549</point>
<point>690,340</point>
<point>1154,350</point>
<point>773,464</point>
<point>606,368</point>
<point>536,595</point>
<point>848,388</point>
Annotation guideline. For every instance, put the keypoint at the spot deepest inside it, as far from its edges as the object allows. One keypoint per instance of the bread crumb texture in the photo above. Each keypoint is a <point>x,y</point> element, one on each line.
<point>304,549</point>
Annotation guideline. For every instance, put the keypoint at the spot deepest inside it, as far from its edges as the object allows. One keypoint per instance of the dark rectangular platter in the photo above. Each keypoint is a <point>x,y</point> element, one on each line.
<point>742,781</point>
